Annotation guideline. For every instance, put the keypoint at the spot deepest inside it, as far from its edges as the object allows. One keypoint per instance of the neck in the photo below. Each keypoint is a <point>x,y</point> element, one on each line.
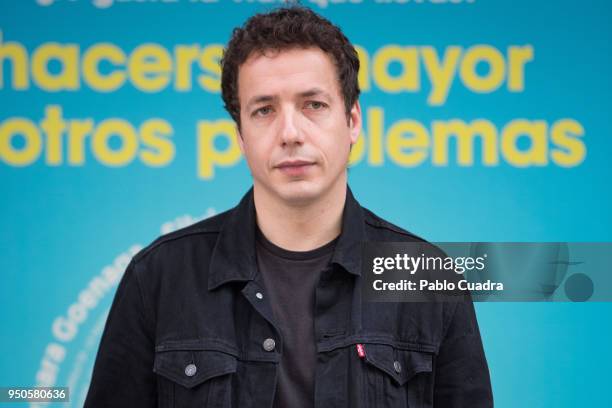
<point>303,226</point>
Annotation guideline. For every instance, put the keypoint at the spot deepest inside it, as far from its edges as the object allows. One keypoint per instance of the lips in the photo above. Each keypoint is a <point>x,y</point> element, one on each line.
<point>295,168</point>
<point>294,163</point>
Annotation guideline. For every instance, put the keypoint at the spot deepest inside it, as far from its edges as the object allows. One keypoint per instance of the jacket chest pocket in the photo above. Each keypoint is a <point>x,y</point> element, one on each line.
<point>394,377</point>
<point>194,378</point>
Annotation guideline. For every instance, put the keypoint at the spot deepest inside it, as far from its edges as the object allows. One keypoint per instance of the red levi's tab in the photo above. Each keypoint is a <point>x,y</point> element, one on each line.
<point>360,350</point>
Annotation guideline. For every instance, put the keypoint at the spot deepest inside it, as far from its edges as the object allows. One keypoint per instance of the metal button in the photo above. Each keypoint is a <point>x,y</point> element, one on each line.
<point>397,366</point>
<point>190,370</point>
<point>269,344</point>
<point>259,296</point>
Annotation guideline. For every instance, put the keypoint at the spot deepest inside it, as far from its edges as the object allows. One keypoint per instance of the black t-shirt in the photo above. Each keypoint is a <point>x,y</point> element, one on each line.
<point>290,279</point>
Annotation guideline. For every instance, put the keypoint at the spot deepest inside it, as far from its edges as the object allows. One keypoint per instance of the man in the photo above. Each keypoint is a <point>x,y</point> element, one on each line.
<point>261,306</point>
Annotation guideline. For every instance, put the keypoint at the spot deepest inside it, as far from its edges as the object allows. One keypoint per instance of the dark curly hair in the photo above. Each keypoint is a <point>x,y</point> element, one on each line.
<point>284,28</point>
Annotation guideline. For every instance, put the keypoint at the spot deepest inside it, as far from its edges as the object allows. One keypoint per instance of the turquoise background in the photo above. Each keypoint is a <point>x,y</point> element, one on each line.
<point>59,226</point>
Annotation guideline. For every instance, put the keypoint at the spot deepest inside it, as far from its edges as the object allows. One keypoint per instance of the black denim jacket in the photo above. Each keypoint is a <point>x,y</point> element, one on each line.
<point>189,327</point>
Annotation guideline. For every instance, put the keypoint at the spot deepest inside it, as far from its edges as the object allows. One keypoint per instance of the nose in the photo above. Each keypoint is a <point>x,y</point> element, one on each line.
<point>290,132</point>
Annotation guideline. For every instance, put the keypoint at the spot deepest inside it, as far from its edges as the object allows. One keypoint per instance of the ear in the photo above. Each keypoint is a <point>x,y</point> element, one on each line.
<point>355,122</point>
<point>239,137</point>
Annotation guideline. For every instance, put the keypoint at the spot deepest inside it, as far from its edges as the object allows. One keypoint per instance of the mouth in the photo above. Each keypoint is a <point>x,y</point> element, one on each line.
<point>295,167</point>
<point>294,163</point>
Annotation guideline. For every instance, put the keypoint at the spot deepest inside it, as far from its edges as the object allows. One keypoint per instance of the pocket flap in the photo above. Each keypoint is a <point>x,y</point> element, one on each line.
<point>192,367</point>
<point>400,364</point>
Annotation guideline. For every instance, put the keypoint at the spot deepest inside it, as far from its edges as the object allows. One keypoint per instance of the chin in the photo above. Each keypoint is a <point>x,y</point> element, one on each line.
<point>300,192</point>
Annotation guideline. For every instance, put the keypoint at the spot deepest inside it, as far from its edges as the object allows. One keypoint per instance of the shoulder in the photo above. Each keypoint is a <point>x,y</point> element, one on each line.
<point>378,228</point>
<point>201,232</point>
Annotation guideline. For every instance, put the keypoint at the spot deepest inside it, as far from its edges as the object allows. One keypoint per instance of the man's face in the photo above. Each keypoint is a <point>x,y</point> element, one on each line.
<point>293,125</point>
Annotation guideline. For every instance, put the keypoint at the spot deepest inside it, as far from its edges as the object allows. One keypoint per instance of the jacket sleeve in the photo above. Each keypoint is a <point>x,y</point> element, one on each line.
<point>123,371</point>
<point>461,372</point>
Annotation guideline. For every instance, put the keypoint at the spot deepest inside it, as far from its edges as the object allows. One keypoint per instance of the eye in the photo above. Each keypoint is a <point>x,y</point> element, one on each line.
<point>263,111</point>
<point>316,105</point>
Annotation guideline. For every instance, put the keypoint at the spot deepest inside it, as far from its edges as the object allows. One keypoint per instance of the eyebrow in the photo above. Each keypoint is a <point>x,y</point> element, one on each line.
<point>271,98</point>
<point>314,92</point>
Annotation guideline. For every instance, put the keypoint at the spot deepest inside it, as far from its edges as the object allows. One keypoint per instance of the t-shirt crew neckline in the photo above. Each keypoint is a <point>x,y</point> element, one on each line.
<point>323,250</point>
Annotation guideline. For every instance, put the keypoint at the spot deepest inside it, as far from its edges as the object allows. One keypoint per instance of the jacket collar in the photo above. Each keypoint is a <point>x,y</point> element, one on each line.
<point>234,259</point>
